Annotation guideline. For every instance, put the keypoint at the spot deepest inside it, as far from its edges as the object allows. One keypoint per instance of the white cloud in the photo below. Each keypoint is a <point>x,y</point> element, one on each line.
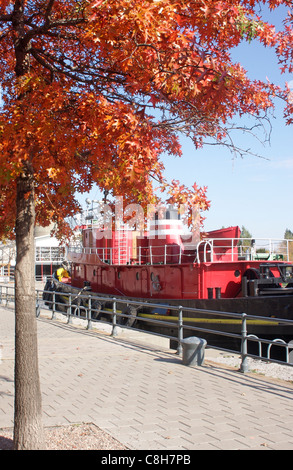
<point>286,164</point>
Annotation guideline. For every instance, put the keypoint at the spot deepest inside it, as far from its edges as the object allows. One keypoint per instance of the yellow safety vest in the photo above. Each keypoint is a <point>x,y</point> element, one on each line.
<point>61,272</point>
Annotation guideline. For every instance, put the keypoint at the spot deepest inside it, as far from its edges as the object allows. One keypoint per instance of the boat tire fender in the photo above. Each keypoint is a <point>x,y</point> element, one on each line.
<point>49,286</point>
<point>96,310</point>
<point>130,311</point>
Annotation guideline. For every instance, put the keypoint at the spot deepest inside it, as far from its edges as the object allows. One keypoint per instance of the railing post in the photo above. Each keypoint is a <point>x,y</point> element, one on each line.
<point>69,319</point>
<point>53,306</point>
<point>244,362</point>
<point>38,308</point>
<point>114,320</point>
<point>180,330</point>
<point>7,296</point>
<point>89,314</point>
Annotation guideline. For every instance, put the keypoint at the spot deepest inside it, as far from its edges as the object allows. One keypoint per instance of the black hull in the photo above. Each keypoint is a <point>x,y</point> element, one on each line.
<point>277,307</point>
<point>265,328</point>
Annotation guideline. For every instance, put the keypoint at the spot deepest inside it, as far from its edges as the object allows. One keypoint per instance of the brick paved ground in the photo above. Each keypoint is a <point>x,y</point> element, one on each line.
<point>144,396</point>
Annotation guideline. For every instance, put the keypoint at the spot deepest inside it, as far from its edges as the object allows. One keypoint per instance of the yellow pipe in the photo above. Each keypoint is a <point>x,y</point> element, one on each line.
<point>198,320</point>
<point>206,320</point>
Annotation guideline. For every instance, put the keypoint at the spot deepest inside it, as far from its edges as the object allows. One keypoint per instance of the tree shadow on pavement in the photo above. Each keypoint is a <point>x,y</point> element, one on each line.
<point>6,443</point>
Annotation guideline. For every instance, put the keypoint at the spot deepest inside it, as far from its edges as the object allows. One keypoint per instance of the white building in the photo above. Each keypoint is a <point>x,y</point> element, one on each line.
<point>7,260</point>
<point>48,255</point>
<point>48,252</point>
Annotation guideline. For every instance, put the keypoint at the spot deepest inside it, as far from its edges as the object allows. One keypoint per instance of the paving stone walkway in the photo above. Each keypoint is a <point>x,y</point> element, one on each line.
<point>144,396</point>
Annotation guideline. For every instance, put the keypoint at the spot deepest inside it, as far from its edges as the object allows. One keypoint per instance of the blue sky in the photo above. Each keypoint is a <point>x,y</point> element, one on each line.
<point>250,191</point>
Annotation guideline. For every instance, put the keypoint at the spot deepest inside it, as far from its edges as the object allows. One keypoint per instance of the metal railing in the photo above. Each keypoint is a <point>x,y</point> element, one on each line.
<point>235,249</point>
<point>163,254</point>
<point>93,308</point>
<point>207,250</point>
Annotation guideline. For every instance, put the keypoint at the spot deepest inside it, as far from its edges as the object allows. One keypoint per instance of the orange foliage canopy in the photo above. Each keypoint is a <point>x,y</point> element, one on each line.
<point>97,91</point>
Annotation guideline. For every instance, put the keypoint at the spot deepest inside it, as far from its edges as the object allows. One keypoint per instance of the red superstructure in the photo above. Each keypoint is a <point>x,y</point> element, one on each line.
<point>164,263</point>
<point>217,271</point>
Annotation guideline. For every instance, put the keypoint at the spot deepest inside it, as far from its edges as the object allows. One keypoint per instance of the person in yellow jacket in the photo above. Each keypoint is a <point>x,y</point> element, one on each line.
<point>63,271</point>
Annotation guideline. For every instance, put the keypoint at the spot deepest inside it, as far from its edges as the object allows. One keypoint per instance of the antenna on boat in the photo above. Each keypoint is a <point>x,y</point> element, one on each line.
<point>106,192</point>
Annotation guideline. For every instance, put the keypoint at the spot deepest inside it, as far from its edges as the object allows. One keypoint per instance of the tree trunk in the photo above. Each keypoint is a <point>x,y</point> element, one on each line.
<point>28,428</point>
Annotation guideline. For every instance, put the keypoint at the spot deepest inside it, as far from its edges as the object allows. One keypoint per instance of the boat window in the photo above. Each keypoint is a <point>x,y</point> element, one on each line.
<point>237,273</point>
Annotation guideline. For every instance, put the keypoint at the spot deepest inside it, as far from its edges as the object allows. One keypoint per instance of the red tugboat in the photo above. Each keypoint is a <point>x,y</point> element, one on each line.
<point>220,272</point>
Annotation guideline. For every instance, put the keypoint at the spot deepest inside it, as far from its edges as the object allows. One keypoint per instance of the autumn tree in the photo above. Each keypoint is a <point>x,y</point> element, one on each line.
<point>245,234</point>
<point>286,246</point>
<point>96,92</point>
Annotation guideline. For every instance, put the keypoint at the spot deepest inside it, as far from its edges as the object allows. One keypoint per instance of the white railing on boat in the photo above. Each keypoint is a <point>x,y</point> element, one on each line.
<point>214,250</point>
<point>152,255</point>
<point>235,249</point>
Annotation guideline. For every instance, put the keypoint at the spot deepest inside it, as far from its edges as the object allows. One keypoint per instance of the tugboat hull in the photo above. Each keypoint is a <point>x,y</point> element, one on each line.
<point>201,314</point>
<point>217,274</point>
